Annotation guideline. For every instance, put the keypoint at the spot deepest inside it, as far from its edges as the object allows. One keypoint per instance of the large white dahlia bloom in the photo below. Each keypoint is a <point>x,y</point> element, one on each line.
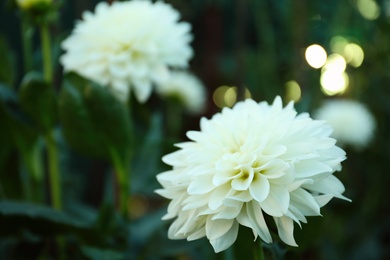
<point>187,88</point>
<point>128,46</point>
<point>352,122</point>
<point>252,160</point>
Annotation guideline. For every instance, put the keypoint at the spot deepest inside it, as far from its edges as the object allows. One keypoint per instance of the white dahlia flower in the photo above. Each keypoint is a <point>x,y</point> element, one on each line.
<point>128,46</point>
<point>187,88</point>
<point>252,160</point>
<point>352,122</point>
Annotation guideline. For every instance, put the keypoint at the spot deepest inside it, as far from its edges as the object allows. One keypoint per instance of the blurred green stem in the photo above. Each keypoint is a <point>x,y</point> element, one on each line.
<point>174,118</point>
<point>258,252</point>
<point>46,52</point>
<point>266,48</point>
<point>26,41</point>
<point>54,173</point>
<point>32,157</point>
<point>123,181</point>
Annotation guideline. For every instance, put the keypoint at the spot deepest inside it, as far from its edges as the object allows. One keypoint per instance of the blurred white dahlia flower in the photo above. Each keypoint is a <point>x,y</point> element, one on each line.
<point>187,88</point>
<point>128,46</point>
<point>352,122</point>
<point>252,160</point>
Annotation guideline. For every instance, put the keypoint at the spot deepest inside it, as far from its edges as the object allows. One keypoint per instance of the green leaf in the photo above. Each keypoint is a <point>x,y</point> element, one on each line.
<point>16,134</point>
<point>147,161</point>
<point>100,254</point>
<point>39,101</point>
<point>7,68</point>
<point>16,216</point>
<point>94,122</point>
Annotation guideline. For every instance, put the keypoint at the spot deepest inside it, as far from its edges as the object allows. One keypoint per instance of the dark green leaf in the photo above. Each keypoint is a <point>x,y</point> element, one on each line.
<point>39,101</point>
<point>16,135</point>
<point>93,120</point>
<point>42,219</point>
<point>100,254</point>
<point>147,161</point>
<point>7,68</point>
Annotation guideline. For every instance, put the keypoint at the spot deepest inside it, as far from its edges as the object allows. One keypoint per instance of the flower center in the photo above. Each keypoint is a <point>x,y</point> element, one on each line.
<point>237,169</point>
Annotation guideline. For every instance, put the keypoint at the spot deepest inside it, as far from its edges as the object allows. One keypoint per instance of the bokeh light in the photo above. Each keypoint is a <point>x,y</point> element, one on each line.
<point>218,96</point>
<point>369,9</point>
<point>230,96</point>
<point>334,82</point>
<point>315,56</point>
<point>293,91</point>
<point>335,62</point>
<point>338,43</point>
<point>226,96</point>
<point>354,54</point>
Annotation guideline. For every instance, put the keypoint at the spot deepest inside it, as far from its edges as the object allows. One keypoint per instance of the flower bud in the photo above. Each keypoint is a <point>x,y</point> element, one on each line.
<point>29,4</point>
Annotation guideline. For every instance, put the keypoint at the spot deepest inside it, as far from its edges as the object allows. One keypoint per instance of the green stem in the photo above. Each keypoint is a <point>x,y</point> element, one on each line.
<point>258,252</point>
<point>123,182</point>
<point>46,53</point>
<point>26,31</point>
<point>54,172</point>
<point>35,168</point>
<point>174,118</point>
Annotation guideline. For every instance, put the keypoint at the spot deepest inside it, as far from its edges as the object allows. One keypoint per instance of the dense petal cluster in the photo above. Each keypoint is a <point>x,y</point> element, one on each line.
<point>352,122</point>
<point>252,160</point>
<point>187,88</point>
<point>128,46</point>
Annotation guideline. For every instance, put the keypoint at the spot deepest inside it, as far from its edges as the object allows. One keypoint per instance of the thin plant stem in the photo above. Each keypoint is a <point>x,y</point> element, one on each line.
<point>258,251</point>
<point>54,172</point>
<point>46,53</point>
<point>123,181</point>
<point>26,34</point>
<point>174,118</point>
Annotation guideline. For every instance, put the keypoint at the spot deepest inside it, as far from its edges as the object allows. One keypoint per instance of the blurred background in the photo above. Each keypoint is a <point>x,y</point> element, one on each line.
<point>306,51</point>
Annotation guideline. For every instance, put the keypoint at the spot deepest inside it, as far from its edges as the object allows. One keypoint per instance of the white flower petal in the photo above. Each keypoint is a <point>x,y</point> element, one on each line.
<point>226,240</point>
<point>217,195</point>
<point>305,202</point>
<point>217,228</point>
<point>276,204</point>
<point>142,89</point>
<point>259,188</point>
<point>285,230</point>
<point>201,185</point>
<point>257,221</point>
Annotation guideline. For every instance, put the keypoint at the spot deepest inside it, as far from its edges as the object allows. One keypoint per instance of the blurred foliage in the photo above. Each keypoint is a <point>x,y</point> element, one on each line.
<point>252,44</point>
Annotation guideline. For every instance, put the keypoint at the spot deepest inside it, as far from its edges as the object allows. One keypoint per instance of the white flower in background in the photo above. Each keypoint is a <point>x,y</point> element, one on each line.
<point>252,160</point>
<point>27,4</point>
<point>352,123</point>
<point>128,46</point>
<point>187,88</point>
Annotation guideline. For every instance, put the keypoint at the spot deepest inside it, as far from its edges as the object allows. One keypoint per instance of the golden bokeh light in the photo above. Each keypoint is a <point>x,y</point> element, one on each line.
<point>218,96</point>
<point>335,62</point>
<point>226,96</point>
<point>315,56</point>
<point>230,96</point>
<point>369,9</point>
<point>354,54</point>
<point>334,82</point>
<point>293,91</point>
<point>338,43</point>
